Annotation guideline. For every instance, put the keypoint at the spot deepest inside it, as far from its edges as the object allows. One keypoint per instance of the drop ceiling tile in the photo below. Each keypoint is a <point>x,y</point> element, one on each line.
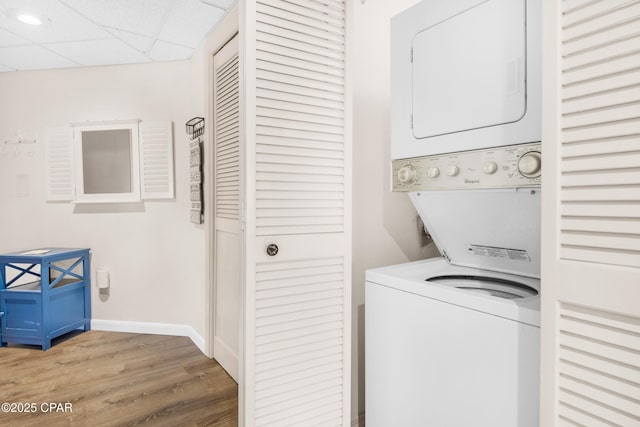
<point>75,32</point>
<point>99,52</point>
<point>32,58</point>
<point>59,22</point>
<point>189,22</point>
<point>137,41</point>
<point>9,39</point>
<point>225,4</point>
<point>164,51</point>
<point>143,17</point>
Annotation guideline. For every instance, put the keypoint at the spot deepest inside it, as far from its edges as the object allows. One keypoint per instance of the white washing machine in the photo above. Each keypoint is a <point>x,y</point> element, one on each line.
<point>454,341</point>
<point>450,346</point>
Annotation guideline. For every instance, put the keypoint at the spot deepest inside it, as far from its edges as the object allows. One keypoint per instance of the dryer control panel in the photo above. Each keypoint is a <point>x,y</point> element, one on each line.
<point>503,167</point>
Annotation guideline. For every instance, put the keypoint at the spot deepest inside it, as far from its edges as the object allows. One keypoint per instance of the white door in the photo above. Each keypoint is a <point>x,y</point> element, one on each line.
<point>591,217</point>
<point>297,301</point>
<point>228,233</point>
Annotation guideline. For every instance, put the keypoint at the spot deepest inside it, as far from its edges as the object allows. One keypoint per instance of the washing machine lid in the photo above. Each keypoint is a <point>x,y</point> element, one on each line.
<point>495,229</point>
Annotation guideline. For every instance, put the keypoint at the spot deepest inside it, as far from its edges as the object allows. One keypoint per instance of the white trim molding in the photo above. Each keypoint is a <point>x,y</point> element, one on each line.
<point>150,328</point>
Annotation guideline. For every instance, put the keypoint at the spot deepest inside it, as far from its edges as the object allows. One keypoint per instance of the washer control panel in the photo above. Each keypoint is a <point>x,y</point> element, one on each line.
<point>502,167</point>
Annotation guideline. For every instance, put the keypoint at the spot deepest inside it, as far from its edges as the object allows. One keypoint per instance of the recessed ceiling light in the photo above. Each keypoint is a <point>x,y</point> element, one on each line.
<point>29,19</point>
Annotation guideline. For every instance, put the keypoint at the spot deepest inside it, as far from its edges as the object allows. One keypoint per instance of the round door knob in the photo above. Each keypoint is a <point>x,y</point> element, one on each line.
<point>272,249</point>
<point>407,174</point>
<point>433,172</point>
<point>453,170</point>
<point>490,167</point>
<point>530,164</point>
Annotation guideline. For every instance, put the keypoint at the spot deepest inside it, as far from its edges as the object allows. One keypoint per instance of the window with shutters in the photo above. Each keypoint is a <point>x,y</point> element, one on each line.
<point>110,162</point>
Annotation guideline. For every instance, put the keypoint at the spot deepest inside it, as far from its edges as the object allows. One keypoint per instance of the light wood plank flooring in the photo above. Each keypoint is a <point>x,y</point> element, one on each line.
<point>117,379</point>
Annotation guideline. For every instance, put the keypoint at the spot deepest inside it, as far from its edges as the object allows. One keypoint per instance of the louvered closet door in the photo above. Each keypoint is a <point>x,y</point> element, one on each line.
<point>297,331</point>
<point>591,220</point>
<point>228,233</point>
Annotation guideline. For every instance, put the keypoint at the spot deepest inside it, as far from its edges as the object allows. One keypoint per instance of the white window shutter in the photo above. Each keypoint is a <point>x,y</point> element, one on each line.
<point>59,160</point>
<point>156,160</point>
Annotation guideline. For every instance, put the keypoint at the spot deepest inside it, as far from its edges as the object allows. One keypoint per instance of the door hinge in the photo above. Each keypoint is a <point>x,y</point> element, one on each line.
<point>444,254</point>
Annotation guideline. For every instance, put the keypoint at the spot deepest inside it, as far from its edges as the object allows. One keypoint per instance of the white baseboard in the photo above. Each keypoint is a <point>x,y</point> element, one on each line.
<point>150,328</point>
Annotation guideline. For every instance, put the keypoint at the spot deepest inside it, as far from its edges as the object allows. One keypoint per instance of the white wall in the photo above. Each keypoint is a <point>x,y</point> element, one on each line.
<point>154,254</point>
<point>385,228</point>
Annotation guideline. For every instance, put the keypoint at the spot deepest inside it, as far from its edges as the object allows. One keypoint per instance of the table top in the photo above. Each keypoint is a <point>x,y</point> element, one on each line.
<point>40,254</point>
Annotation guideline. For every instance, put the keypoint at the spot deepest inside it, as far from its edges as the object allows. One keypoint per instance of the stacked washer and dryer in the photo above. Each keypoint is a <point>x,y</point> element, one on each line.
<point>454,341</point>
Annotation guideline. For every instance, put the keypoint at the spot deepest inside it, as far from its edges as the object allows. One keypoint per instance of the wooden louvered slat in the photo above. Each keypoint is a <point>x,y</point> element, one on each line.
<point>602,225</point>
<point>296,90</point>
<point>329,7</point>
<point>302,65</point>
<point>604,210</point>
<point>300,142</point>
<point>328,59</point>
<point>304,11</point>
<point>301,39</point>
<point>278,132</point>
<point>616,85</point>
<point>610,36</point>
<point>320,24</point>
<point>607,113</point>
<point>598,54</point>
<point>608,176</point>
<point>605,193</point>
<point>600,174</point>
<point>274,102</point>
<point>277,149</point>
<point>264,72</point>
<point>292,116</point>
<point>597,17</point>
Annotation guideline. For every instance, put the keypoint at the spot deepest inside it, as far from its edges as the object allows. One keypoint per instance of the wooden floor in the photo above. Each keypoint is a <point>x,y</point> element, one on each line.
<point>115,379</point>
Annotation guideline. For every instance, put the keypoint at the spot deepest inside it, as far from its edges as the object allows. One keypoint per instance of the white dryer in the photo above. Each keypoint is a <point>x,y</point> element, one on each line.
<point>465,75</point>
<point>454,341</point>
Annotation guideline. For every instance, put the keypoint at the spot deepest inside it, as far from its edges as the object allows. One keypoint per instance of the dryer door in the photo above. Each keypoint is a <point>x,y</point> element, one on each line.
<point>468,70</point>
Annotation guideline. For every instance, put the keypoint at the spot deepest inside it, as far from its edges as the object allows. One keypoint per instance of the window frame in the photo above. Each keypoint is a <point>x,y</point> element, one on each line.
<point>134,195</point>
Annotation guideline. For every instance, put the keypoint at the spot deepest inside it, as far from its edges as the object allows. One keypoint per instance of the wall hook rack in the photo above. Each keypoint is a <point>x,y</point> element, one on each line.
<point>19,141</point>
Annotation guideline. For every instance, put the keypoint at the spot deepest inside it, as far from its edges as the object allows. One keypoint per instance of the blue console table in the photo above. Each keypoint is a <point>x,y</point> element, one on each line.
<point>55,302</point>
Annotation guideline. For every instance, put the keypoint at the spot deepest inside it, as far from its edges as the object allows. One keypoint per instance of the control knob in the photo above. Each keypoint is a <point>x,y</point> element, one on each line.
<point>407,174</point>
<point>490,167</point>
<point>433,172</point>
<point>453,170</point>
<point>530,164</point>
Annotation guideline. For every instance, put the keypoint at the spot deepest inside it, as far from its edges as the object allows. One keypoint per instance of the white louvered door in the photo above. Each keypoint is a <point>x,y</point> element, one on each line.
<point>591,216</point>
<point>228,230</point>
<point>298,300</point>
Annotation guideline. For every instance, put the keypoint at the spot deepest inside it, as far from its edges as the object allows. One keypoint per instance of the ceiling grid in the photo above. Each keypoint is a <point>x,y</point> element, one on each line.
<point>77,33</point>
